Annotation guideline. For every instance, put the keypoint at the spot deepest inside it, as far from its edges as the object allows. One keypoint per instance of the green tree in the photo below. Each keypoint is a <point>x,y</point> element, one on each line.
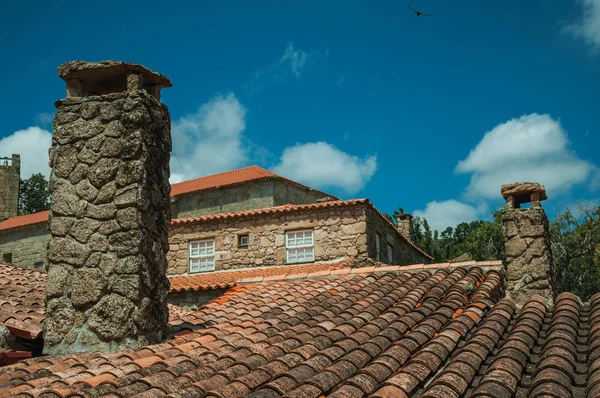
<point>34,194</point>
<point>575,240</point>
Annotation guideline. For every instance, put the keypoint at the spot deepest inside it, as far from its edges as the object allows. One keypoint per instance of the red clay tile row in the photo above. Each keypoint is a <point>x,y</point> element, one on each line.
<point>251,173</point>
<point>338,271</point>
<point>22,294</point>
<point>593,353</point>
<point>228,279</point>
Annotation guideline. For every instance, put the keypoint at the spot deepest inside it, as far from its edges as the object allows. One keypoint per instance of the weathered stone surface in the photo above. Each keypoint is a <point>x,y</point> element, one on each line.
<point>69,251</point>
<point>126,197</point>
<point>109,163</point>
<point>101,212</point>
<point>88,285</point>
<point>60,226</point>
<point>111,318</point>
<point>127,285</point>
<point>106,193</point>
<point>520,188</point>
<point>528,253</point>
<point>102,172</point>
<point>86,190</point>
<point>84,228</point>
<point>58,281</point>
<point>60,316</point>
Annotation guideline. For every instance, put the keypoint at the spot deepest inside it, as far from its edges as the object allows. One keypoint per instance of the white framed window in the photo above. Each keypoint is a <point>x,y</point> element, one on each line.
<point>202,255</point>
<point>390,253</point>
<point>243,240</point>
<point>300,246</point>
<point>377,247</point>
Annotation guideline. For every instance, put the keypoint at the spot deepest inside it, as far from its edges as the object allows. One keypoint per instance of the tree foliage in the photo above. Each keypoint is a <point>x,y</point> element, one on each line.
<point>34,194</point>
<point>575,241</point>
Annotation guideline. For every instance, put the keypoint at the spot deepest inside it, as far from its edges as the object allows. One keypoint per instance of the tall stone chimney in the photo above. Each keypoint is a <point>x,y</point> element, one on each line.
<point>10,177</point>
<point>110,214</point>
<point>404,224</point>
<point>527,243</point>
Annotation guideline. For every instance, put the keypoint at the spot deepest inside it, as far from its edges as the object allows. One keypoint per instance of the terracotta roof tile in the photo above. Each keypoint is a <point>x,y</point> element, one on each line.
<point>228,279</point>
<point>22,295</point>
<point>418,333</point>
<point>232,177</point>
<point>22,221</point>
<point>251,173</point>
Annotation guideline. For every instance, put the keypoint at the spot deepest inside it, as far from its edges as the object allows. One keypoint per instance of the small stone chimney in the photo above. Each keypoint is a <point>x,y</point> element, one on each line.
<point>527,242</point>
<point>404,224</point>
<point>10,178</point>
<point>110,214</point>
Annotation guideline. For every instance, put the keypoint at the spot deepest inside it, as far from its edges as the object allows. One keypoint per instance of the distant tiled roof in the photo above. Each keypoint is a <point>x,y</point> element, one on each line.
<point>22,306</point>
<point>228,279</point>
<point>291,208</point>
<point>213,181</point>
<point>22,221</point>
<point>251,173</point>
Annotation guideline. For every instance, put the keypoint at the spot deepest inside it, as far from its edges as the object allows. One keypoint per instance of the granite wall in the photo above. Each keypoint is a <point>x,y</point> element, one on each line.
<point>247,196</point>
<point>338,232</point>
<point>109,221</point>
<point>27,245</point>
<point>528,254</point>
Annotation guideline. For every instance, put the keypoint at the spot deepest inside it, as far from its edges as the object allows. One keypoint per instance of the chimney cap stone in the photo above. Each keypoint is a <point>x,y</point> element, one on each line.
<point>110,76</point>
<point>523,192</point>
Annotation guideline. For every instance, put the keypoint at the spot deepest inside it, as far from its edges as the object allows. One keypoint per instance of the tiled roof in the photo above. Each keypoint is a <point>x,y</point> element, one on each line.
<point>228,279</point>
<point>429,333</point>
<point>21,221</point>
<point>290,208</point>
<point>251,173</point>
<point>22,306</point>
<point>213,181</point>
<point>379,334</point>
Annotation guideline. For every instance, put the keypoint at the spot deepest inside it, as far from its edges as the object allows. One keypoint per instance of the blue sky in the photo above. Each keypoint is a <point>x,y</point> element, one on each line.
<point>359,98</point>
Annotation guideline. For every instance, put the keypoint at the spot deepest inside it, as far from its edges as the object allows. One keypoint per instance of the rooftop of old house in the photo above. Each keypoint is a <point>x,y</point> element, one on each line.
<point>22,291</point>
<point>220,180</point>
<point>438,330</point>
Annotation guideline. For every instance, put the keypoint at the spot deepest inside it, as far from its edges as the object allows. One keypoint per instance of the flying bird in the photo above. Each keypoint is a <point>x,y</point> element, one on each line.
<point>419,13</point>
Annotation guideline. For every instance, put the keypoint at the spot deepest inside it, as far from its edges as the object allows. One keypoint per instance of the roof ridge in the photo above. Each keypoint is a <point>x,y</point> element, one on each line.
<point>368,270</point>
<point>269,210</point>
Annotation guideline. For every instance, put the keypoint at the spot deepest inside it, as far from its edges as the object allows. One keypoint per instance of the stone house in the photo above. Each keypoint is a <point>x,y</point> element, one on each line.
<point>23,239</point>
<point>288,234</point>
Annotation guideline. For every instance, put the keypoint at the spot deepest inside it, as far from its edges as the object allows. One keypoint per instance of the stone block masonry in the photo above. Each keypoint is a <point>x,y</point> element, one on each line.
<point>527,243</point>
<point>10,177</point>
<point>26,246</point>
<point>110,213</point>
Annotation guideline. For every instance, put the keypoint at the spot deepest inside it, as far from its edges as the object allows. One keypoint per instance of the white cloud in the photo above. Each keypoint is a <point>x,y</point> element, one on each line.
<point>588,27</point>
<point>448,213</point>
<point>32,144</point>
<point>209,141</point>
<point>531,148</point>
<point>320,164</point>
<point>296,59</point>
